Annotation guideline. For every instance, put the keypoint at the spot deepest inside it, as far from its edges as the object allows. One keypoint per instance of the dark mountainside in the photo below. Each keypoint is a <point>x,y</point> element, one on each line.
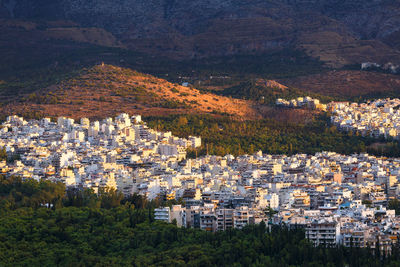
<point>219,46</point>
<point>337,32</point>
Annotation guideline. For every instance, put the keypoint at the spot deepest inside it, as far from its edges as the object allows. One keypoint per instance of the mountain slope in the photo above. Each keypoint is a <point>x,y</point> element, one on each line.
<point>349,84</point>
<point>106,90</point>
<point>336,31</point>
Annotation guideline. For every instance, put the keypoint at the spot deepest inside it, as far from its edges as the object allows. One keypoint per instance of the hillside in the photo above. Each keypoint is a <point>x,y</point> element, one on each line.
<point>106,90</point>
<point>337,32</point>
<point>349,84</point>
<point>267,91</point>
<point>296,42</point>
<point>34,55</point>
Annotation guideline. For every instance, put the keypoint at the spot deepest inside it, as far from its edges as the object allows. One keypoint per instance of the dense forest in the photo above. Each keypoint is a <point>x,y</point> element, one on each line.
<point>222,135</point>
<point>43,224</point>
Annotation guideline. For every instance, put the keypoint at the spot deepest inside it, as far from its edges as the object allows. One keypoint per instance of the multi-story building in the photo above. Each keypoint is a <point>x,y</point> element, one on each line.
<point>219,192</point>
<point>208,220</point>
<point>323,232</point>
<point>224,219</point>
<point>241,217</point>
<point>162,214</point>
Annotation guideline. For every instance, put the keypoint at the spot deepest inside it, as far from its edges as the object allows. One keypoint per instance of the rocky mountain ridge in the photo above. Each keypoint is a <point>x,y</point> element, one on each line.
<point>336,31</point>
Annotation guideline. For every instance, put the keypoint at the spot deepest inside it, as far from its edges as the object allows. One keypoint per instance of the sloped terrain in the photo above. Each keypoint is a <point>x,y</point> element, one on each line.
<point>337,32</point>
<point>34,55</point>
<point>349,84</point>
<point>106,90</point>
<point>267,91</point>
<point>45,42</point>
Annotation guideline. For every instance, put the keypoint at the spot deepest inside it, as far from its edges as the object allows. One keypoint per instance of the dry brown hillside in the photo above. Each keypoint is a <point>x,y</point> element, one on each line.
<point>105,90</point>
<point>349,83</point>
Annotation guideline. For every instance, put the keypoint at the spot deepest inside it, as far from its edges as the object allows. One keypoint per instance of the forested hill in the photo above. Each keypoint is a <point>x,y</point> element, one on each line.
<point>80,228</point>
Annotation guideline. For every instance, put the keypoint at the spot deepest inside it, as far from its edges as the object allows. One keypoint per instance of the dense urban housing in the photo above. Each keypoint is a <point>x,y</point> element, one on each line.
<point>337,199</point>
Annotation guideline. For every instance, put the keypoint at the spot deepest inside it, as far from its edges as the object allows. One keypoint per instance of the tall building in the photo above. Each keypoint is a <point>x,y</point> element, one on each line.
<point>224,219</point>
<point>323,232</point>
<point>208,220</point>
<point>162,214</point>
<point>241,217</point>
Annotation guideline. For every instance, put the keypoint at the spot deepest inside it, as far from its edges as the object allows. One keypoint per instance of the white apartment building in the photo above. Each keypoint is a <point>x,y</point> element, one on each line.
<point>323,232</point>
<point>162,214</point>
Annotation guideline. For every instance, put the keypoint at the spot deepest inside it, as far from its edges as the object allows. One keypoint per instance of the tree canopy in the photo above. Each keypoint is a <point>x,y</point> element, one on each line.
<point>81,228</point>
